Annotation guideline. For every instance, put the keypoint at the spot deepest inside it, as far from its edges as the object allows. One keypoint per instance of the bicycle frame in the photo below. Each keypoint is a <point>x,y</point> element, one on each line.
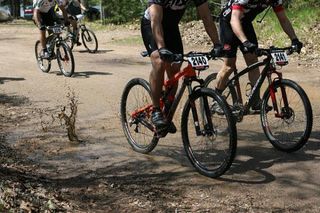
<point>190,76</point>
<point>54,39</point>
<point>267,72</point>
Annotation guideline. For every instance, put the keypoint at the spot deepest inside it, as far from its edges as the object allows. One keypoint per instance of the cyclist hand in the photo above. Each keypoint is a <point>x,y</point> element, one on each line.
<point>166,54</point>
<point>249,47</point>
<point>42,27</point>
<point>217,50</point>
<point>296,45</point>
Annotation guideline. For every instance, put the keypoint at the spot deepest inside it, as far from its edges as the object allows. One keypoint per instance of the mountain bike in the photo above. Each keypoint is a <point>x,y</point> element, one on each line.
<point>209,141</point>
<point>57,49</point>
<point>88,37</point>
<point>285,112</point>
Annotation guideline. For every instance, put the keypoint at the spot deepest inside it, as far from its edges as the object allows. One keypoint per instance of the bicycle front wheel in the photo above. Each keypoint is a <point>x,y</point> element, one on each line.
<point>65,59</point>
<point>291,129</point>
<point>89,40</point>
<point>135,109</point>
<point>43,64</point>
<point>69,40</point>
<point>209,139</point>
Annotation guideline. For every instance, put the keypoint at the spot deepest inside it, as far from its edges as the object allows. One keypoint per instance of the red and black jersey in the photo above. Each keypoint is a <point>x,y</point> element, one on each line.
<point>250,8</point>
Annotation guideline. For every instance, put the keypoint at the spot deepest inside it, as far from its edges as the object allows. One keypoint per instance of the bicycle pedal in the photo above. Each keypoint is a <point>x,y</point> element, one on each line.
<point>161,132</point>
<point>171,128</point>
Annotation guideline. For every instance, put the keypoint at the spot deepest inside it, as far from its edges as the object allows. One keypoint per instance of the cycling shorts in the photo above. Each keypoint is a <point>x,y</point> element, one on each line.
<point>171,33</point>
<point>230,41</point>
<point>49,18</point>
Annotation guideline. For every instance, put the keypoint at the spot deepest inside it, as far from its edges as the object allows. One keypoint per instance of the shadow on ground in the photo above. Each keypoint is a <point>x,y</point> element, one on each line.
<point>6,79</point>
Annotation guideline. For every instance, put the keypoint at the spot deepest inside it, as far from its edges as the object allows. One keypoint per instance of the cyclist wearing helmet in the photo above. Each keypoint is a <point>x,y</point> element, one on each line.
<point>43,16</point>
<point>236,30</point>
<point>161,36</point>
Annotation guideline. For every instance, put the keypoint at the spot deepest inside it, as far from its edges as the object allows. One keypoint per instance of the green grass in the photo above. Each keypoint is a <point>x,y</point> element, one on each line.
<point>302,20</point>
<point>132,40</point>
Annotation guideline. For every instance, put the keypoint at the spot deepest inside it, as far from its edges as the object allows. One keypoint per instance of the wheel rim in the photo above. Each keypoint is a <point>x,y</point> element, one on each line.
<point>65,60</point>
<point>288,129</point>
<point>89,40</point>
<point>44,64</point>
<point>140,135</point>
<point>211,151</point>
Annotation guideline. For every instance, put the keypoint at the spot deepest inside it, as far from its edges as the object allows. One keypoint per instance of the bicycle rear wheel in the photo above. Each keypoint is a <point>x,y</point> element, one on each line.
<point>65,59</point>
<point>212,148</point>
<point>43,64</point>
<point>228,93</point>
<point>291,130</point>
<point>89,40</point>
<point>137,126</point>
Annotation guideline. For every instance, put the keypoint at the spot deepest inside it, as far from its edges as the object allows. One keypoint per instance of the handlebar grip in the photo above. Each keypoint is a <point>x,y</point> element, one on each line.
<point>260,52</point>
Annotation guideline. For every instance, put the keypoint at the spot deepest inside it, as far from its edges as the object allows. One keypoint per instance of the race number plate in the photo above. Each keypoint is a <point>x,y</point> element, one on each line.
<point>56,30</point>
<point>280,58</point>
<point>199,62</point>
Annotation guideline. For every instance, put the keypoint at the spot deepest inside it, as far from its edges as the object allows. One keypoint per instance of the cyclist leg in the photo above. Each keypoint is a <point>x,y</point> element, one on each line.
<point>230,43</point>
<point>252,58</point>
<point>46,20</point>
<point>156,77</point>
<point>173,41</point>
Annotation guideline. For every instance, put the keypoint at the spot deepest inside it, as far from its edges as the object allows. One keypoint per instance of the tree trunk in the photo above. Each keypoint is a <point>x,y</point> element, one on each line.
<point>15,8</point>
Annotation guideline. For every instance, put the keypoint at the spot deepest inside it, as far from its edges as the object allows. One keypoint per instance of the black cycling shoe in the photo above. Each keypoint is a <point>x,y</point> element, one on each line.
<point>216,108</point>
<point>257,106</point>
<point>172,128</point>
<point>158,120</point>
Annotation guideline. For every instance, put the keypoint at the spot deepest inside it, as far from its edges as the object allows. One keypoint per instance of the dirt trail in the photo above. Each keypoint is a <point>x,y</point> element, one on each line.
<point>102,173</point>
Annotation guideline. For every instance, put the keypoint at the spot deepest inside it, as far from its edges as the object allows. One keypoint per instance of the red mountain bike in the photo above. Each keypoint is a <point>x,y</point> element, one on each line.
<point>209,139</point>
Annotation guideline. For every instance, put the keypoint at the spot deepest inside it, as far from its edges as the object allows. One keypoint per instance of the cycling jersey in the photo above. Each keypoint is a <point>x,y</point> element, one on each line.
<point>45,5</point>
<point>73,7</point>
<point>173,10</point>
<point>250,8</point>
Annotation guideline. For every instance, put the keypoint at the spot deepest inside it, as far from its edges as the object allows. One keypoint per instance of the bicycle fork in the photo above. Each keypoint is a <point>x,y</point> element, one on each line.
<point>273,97</point>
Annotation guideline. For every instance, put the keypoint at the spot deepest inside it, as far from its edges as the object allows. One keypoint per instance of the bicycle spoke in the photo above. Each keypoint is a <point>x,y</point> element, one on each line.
<point>291,130</point>
<point>135,116</point>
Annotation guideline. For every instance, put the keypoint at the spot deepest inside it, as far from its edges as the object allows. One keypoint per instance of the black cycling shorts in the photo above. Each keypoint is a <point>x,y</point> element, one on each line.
<point>172,37</point>
<point>48,18</point>
<point>230,41</point>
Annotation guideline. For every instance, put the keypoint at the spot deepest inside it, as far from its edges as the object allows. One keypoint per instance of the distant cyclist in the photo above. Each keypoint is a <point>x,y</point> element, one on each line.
<point>161,36</point>
<point>74,8</point>
<point>236,30</point>
<point>43,16</point>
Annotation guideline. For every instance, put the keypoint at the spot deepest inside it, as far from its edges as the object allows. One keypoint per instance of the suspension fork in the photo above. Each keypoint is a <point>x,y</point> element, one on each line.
<point>273,92</point>
<point>194,113</point>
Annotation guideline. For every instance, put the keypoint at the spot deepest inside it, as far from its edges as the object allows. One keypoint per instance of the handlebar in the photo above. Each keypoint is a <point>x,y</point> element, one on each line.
<point>57,26</point>
<point>182,57</point>
<point>272,49</point>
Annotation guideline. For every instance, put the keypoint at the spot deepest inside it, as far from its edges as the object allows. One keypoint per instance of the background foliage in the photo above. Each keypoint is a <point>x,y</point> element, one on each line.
<point>121,11</point>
